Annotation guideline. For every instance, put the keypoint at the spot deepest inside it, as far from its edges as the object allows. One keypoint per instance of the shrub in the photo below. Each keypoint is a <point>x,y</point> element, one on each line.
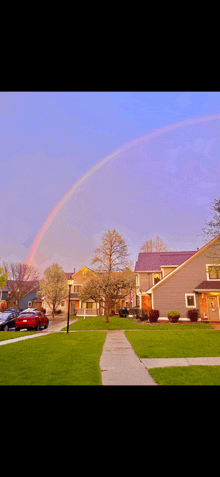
<point>153,316</point>
<point>57,312</point>
<point>173,316</point>
<point>193,314</point>
<point>139,313</point>
<point>134,311</point>
<point>143,315</point>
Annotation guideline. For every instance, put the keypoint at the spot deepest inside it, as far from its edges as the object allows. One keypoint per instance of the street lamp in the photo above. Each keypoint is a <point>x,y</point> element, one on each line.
<point>70,283</point>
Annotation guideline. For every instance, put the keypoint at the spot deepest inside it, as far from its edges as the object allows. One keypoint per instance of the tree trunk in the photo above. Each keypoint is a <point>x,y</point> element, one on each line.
<point>107,308</point>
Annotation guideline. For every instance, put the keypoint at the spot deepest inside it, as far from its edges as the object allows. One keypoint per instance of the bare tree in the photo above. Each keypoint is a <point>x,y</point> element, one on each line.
<point>112,254</point>
<point>22,278</point>
<point>156,245</point>
<point>108,289</point>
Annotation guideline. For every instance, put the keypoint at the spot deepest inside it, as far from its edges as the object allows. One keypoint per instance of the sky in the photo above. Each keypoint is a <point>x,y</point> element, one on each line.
<point>76,164</point>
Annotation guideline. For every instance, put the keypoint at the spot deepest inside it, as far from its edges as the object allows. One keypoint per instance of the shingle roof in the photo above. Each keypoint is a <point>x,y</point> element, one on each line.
<point>208,285</point>
<point>152,261</point>
<point>69,275</point>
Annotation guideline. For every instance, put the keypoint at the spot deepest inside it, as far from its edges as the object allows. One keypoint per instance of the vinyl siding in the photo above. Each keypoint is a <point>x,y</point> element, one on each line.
<point>170,295</point>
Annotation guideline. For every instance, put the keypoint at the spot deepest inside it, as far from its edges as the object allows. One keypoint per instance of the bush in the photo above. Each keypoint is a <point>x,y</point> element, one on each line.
<point>57,312</point>
<point>153,316</point>
<point>193,314</point>
<point>173,316</point>
<point>143,315</point>
<point>139,313</point>
<point>134,311</point>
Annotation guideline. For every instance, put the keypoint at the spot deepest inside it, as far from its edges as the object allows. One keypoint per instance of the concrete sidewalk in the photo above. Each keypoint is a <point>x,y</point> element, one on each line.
<point>150,363</point>
<point>120,365</point>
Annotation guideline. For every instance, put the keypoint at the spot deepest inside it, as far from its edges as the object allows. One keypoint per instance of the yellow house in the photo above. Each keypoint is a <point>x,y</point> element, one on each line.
<point>90,307</point>
<point>77,306</point>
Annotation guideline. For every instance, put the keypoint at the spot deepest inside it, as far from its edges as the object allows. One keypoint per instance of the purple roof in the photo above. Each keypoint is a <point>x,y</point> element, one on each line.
<point>152,261</point>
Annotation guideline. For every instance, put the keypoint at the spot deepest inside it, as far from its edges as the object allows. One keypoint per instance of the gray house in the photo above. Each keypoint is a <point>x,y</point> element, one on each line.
<point>195,283</point>
<point>30,299</point>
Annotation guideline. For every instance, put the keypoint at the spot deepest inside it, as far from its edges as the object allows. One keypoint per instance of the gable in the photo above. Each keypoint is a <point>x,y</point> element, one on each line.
<point>83,275</point>
<point>201,259</point>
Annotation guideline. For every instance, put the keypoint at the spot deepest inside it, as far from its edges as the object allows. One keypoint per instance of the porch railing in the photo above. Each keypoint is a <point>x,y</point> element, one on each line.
<point>88,311</point>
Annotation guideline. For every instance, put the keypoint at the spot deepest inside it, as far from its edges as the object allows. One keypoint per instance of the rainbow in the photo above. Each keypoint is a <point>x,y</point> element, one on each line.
<point>148,136</point>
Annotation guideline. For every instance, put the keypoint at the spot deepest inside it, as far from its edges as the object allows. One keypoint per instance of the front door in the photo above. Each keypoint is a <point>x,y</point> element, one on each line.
<point>213,308</point>
<point>146,302</point>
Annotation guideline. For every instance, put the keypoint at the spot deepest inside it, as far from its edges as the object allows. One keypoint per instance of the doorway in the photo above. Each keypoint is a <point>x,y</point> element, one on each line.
<point>213,308</point>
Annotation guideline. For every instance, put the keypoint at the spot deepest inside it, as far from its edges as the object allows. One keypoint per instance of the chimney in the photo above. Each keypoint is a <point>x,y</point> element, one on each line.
<point>197,249</point>
<point>74,270</point>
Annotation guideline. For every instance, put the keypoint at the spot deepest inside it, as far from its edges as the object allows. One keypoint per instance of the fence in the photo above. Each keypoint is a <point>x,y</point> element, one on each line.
<point>87,311</point>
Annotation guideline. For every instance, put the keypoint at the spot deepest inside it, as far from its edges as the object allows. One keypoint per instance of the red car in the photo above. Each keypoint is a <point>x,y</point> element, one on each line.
<point>31,319</point>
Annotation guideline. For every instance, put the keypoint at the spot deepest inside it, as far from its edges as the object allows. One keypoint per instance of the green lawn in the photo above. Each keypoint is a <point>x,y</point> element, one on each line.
<point>56,359</point>
<point>187,376</point>
<point>9,335</point>
<point>176,343</point>
<point>117,323</point>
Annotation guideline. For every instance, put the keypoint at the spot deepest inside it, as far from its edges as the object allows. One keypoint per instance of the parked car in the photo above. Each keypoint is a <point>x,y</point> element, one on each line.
<point>7,320</point>
<point>31,319</point>
<point>12,310</point>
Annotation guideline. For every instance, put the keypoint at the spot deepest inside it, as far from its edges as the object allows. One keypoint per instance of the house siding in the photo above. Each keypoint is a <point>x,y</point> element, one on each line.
<point>23,304</point>
<point>170,295</point>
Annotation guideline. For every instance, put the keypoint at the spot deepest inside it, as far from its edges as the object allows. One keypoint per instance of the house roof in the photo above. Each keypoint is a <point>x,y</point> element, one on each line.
<point>167,277</point>
<point>208,285</point>
<point>152,261</point>
<point>74,295</point>
<point>69,275</point>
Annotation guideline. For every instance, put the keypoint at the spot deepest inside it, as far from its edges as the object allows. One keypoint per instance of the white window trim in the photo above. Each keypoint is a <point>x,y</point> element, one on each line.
<point>190,294</point>
<point>207,272</point>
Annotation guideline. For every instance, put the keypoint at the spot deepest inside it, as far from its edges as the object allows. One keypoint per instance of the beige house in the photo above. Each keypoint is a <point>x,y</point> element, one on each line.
<point>77,306</point>
<point>195,283</point>
<point>90,307</point>
<point>151,268</point>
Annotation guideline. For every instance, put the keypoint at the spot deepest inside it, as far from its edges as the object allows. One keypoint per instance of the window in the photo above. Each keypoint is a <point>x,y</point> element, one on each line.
<point>213,272</point>
<point>88,305</point>
<point>77,288</point>
<point>156,278</point>
<point>190,300</point>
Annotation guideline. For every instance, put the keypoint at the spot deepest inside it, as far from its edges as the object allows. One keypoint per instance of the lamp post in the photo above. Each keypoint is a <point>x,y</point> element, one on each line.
<point>70,283</point>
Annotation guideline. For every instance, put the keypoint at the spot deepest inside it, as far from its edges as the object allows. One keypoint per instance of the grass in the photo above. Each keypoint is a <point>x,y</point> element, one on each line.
<point>56,359</point>
<point>176,343</point>
<point>179,343</point>
<point>187,376</point>
<point>117,323</point>
<point>9,335</point>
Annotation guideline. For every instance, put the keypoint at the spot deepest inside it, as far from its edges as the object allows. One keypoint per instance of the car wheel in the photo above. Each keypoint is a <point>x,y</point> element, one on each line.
<point>17,329</point>
<point>6,328</point>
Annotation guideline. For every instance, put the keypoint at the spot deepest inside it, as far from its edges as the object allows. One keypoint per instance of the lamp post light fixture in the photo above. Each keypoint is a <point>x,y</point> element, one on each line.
<point>70,283</point>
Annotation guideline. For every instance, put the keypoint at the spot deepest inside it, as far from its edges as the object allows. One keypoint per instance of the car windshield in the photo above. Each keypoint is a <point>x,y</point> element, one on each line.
<point>27,314</point>
<point>4,315</point>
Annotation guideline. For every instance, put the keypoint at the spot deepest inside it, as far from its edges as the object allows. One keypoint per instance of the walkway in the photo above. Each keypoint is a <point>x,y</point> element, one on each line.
<point>120,365</point>
<point>118,362</point>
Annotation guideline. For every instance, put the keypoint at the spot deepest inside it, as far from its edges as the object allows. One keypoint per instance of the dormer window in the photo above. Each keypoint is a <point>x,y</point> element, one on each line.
<point>213,272</point>
<point>156,278</point>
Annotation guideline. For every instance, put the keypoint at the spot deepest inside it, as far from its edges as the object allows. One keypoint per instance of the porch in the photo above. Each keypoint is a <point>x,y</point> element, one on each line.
<point>209,300</point>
